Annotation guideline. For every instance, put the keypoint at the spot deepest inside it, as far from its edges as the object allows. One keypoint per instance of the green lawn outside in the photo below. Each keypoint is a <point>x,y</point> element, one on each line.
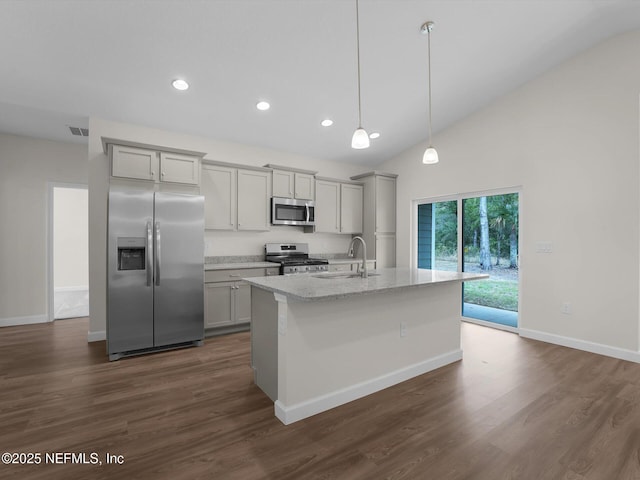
<point>501,294</point>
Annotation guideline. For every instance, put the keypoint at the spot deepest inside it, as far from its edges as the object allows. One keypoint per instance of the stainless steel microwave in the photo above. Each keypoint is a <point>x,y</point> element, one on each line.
<point>289,211</point>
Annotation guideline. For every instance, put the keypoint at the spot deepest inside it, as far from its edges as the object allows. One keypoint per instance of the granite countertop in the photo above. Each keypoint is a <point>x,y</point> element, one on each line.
<point>310,287</point>
<point>239,265</point>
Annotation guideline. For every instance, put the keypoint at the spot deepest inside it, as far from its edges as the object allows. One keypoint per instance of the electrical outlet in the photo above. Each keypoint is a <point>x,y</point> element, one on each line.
<point>544,247</point>
<point>565,308</point>
<point>403,329</point>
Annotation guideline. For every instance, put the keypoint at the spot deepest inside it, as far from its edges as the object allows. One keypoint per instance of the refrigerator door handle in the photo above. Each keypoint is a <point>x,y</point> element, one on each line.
<point>158,254</point>
<point>149,255</point>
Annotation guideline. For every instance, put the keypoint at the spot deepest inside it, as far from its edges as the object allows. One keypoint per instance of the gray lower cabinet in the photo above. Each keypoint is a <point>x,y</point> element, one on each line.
<point>227,298</point>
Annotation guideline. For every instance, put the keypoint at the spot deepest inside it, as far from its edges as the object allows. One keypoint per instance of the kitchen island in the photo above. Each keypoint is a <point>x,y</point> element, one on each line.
<point>321,340</point>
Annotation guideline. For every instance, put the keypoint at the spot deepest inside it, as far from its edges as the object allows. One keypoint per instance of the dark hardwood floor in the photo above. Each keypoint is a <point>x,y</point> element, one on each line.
<point>512,409</point>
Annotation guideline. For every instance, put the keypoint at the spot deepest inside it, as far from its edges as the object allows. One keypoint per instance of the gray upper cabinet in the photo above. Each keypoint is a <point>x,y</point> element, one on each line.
<point>179,168</point>
<point>327,210</point>
<point>218,185</point>
<point>136,163</point>
<point>157,164</point>
<point>339,206</point>
<point>283,184</point>
<point>292,182</point>
<point>351,208</point>
<point>235,198</point>
<point>304,186</point>
<point>254,194</point>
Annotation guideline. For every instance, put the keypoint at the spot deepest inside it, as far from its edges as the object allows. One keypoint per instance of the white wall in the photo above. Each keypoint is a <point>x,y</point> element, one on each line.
<point>26,165</point>
<point>70,238</point>
<point>218,243</point>
<point>571,140</point>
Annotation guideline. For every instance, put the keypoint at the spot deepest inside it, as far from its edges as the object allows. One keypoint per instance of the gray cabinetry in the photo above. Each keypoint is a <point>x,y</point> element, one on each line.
<point>157,164</point>
<point>380,216</point>
<point>339,206</point>
<point>227,298</point>
<point>292,182</point>
<point>235,198</point>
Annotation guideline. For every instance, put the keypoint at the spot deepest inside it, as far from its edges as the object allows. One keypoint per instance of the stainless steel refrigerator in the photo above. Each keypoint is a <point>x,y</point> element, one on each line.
<point>155,271</point>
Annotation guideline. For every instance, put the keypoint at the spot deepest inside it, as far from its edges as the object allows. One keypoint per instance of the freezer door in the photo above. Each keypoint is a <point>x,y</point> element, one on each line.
<point>129,271</point>
<point>179,268</point>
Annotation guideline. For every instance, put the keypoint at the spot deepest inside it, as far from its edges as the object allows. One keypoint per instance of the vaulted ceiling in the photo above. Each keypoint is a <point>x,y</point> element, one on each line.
<point>63,61</point>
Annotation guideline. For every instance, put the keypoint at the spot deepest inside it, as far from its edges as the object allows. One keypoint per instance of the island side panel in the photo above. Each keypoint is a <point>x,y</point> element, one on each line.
<point>264,341</point>
<point>334,351</point>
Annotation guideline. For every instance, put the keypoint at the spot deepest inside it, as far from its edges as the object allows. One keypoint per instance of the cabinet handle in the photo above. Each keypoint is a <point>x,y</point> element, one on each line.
<point>163,174</point>
<point>233,275</point>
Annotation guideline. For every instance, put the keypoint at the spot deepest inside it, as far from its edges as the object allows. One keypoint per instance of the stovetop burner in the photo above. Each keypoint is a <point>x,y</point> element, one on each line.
<point>294,258</point>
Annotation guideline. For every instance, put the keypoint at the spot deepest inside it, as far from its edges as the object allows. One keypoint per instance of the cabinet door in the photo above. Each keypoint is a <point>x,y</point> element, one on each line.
<point>385,204</point>
<point>131,162</point>
<point>242,300</point>
<point>219,189</point>
<point>327,211</point>
<point>304,186</point>
<point>283,184</point>
<point>385,250</point>
<point>218,304</point>
<point>351,208</point>
<point>178,168</point>
<point>254,192</point>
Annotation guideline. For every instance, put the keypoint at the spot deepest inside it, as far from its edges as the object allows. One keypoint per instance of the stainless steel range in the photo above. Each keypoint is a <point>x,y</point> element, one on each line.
<point>294,258</point>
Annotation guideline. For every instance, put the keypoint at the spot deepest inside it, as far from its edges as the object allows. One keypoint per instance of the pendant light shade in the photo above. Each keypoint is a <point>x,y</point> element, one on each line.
<point>430,154</point>
<point>360,137</point>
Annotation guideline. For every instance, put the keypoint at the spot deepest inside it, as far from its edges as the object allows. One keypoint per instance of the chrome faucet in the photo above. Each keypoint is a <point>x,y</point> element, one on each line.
<point>363,272</point>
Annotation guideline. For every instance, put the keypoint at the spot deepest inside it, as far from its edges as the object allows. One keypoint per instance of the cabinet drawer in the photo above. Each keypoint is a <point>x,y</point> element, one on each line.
<point>232,275</point>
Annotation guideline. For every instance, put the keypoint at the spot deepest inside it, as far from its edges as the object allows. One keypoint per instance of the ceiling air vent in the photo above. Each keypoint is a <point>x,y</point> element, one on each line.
<point>79,132</point>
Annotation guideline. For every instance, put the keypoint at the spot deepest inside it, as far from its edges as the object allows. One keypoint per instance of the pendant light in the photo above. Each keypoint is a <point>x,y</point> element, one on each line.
<point>430,154</point>
<point>360,137</point>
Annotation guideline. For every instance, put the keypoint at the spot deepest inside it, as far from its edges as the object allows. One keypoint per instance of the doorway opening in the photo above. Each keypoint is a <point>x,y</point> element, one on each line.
<point>68,251</point>
<point>475,233</point>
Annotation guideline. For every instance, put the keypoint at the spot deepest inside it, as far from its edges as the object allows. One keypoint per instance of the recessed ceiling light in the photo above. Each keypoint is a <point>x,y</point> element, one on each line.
<point>374,135</point>
<point>263,105</point>
<point>327,122</point>
<point>180,84</point>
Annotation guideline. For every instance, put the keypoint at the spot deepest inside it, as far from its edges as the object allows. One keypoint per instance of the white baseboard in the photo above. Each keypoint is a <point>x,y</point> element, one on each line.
<point>585,345</point>
<point>96,336</point>
<point>299,411</point>
<point>81,288</point>
<point>27,320</point>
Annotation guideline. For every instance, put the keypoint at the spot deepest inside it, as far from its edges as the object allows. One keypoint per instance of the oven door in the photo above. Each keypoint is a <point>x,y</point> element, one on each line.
<point>288,211</point>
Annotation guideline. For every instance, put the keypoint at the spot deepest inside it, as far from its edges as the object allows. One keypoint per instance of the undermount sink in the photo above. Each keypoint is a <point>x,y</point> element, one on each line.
<point>342,275</point>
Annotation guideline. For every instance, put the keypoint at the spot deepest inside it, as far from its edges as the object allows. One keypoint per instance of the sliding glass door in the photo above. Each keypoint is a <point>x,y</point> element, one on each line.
<point>438,235</point>
<point>475,234</point>
<point>490,245</point>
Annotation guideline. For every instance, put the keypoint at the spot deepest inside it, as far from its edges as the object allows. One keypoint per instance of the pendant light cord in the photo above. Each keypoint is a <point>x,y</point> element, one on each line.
<point>358,53</point>
<point>429,65</point>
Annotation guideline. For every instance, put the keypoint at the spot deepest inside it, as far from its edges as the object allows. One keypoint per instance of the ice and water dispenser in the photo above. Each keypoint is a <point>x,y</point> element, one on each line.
<point>131,253</point>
